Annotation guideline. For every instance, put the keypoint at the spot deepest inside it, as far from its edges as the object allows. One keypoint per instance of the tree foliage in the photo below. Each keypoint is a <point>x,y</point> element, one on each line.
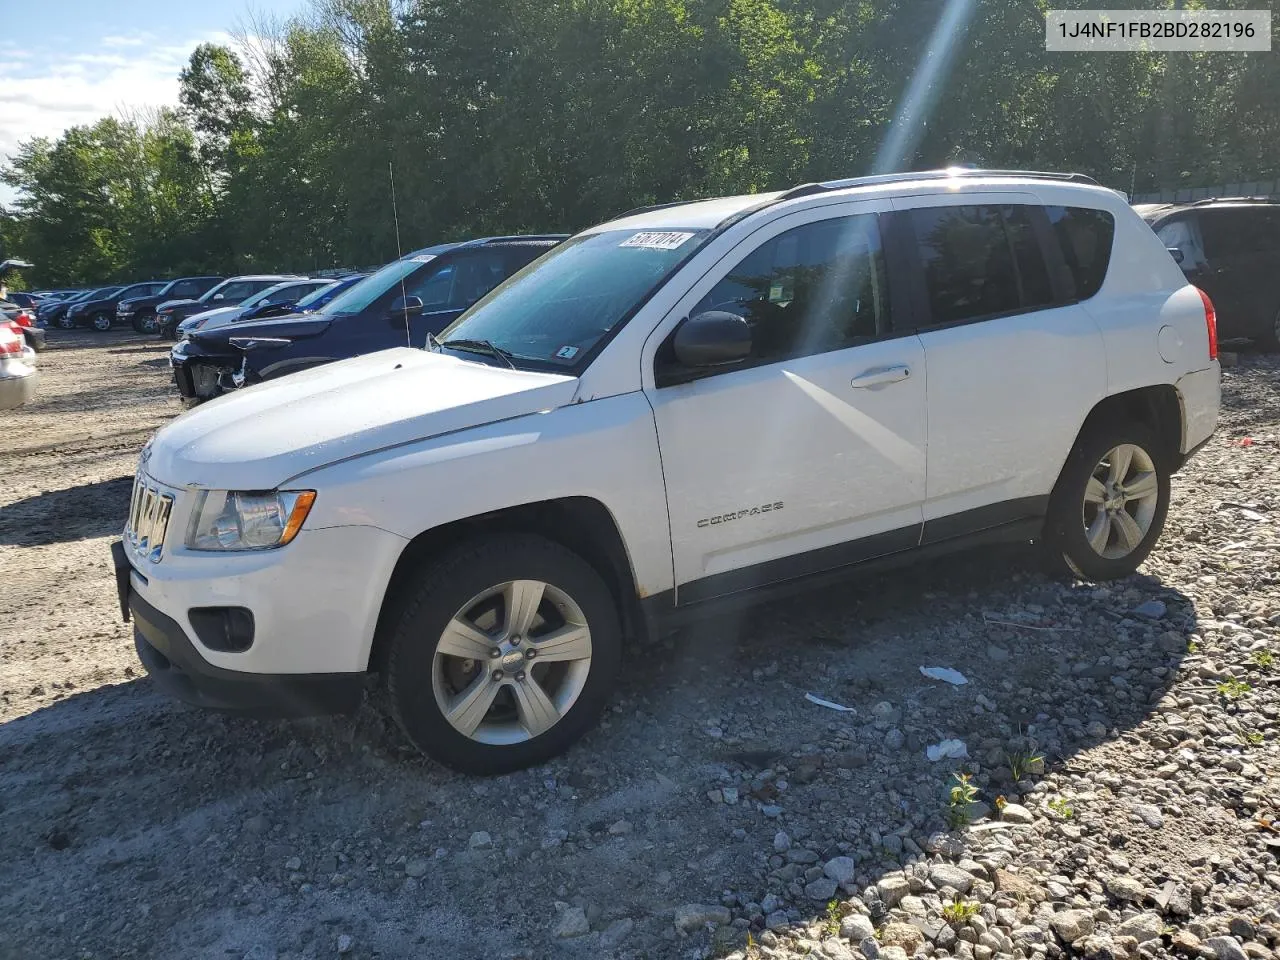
<point>519,115</point>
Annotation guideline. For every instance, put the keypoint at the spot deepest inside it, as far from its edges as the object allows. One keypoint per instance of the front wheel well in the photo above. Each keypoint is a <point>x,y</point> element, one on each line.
<point>581,524</point>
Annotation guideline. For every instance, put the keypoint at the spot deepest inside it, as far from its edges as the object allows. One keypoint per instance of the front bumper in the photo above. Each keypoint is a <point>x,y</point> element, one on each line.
<point>198,376</point>
<point>178,668</point>
<point>314,603</point>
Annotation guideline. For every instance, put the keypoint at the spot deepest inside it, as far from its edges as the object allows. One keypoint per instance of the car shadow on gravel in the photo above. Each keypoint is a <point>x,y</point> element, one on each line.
<point>89,510</point>
<point>712,780</point>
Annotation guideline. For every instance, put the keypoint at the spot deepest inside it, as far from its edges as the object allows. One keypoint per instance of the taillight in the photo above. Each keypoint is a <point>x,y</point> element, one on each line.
<point>1211,323</point>
<point>23,319</point>
<point>11,341</point>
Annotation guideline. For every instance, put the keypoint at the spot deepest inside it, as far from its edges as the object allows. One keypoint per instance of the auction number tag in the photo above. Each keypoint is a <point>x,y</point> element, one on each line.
<point>667,240</point>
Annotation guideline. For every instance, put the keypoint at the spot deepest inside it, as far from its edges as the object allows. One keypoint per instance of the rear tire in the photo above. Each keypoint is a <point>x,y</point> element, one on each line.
<point>502,653</point>
<point>1109,505</point>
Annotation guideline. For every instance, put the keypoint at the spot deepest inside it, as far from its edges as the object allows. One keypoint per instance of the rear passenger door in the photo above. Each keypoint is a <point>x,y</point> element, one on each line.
<point>1013,364</point>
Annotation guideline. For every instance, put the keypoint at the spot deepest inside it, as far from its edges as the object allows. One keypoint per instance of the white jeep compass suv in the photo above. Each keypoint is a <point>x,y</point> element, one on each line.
<point>688,407</point>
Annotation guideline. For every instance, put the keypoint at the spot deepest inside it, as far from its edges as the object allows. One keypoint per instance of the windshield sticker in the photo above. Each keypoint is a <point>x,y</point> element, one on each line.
<point>422,258</point>
<point>656,241</point>
<point>567,353</point>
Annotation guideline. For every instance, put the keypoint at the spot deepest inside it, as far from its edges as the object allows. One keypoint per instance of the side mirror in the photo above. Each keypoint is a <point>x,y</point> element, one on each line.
<point>404,306</point>
<point>1176,253</point>
<point>712,339</point>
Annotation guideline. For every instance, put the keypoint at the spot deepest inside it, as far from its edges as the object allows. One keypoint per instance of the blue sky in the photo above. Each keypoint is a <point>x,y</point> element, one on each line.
<point>67,62</point>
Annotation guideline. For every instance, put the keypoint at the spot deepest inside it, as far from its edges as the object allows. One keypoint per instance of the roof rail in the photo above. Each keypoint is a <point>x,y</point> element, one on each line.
<point>1196,203</point>
<point>945,174</point>
<point>525,236</point>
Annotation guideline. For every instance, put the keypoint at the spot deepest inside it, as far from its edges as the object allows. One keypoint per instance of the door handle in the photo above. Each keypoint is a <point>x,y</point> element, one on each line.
<point>879,375</point>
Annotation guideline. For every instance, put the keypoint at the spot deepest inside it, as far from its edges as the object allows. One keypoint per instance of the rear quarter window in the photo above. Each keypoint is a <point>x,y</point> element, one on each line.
<point>1085,236</point>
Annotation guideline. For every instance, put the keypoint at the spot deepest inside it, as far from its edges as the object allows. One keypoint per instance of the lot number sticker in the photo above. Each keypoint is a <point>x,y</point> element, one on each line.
<point>656,241</point>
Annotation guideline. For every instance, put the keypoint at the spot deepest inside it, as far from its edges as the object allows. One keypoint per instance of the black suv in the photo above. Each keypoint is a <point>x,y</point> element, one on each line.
<point>99,311</point>
<point>140,312</point>
<point>1230,248</point>
<point>401,304</point>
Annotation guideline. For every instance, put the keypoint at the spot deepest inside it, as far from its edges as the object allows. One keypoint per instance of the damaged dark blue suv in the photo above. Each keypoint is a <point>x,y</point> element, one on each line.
<point>401,304</point>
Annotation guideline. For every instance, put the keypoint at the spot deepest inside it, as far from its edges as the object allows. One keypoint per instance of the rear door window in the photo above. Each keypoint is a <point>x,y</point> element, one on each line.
<point>1231,232</point>
<point>1228,233</point>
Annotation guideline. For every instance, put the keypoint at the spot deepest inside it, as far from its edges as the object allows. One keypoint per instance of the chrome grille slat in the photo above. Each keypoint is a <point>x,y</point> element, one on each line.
<point>149,510</point>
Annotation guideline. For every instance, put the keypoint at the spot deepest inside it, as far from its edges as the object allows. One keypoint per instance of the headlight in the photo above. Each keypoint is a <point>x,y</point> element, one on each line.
<point>227,520</point>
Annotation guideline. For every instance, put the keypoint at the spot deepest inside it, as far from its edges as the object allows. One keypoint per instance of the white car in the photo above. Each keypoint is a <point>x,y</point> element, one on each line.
<point>685,409</point>
<point>18,375</point>
<point>288,292</point>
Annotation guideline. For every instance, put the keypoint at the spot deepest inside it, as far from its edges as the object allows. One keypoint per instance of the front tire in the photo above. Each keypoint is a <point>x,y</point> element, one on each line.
<point>1109,505</point>
<point>101,322</point>
<point>502,653</point>
<point>145,324</point>
<point>66,323</point>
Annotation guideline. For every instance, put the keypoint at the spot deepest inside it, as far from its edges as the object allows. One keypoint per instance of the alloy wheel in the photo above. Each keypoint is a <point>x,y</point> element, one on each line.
<point>101,322</point>
<point>1120,501</point>
<point>511,662</point>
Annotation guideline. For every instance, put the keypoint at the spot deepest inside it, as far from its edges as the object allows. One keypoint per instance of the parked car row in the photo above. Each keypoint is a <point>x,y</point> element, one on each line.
<point>159,306</point>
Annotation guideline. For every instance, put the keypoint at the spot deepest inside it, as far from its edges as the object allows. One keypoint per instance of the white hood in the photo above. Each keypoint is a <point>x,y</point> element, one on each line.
<point>217,317</point>
<point>259,437</point>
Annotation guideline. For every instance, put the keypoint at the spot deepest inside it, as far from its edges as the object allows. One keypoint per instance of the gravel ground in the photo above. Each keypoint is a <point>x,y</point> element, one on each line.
<point>1121,740</point>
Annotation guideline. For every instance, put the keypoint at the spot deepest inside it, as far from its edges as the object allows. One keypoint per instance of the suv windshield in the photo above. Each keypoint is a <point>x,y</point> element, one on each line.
<point>359,296</point>
<point>320,296</point>
<point>235,291</point>
<point>556,310</point>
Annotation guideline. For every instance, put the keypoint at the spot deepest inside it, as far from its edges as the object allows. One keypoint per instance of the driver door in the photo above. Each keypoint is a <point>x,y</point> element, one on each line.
<point>809,454</point>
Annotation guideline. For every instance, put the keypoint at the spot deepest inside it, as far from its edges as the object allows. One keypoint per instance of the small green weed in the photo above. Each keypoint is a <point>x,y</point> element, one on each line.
<point>1062,808</point>
<point>959,797</point>
<point>1253,738</point>
<point>959,912</point>
<point>1023,762</point>
<point>1263,659</point>
<point>1233,689</point>
<point>835,913</point>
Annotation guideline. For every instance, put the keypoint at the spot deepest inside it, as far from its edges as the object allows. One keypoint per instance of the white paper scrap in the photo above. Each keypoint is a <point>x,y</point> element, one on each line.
<point>946,675</point>
<point>828,704</point>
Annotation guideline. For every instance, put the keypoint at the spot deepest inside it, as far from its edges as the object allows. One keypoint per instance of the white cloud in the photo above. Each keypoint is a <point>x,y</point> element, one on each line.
<point>134,40</point>
<point>56,89</point>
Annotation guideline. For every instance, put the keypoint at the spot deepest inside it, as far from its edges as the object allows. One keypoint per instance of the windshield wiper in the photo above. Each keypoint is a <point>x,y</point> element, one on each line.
<point>479,346</point>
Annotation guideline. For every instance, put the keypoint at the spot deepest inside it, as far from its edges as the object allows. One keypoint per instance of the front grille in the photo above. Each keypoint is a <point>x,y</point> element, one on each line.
<point>148,519</point>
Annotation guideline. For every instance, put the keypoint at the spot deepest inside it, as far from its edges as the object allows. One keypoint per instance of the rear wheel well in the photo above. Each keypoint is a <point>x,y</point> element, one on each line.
<point>1157,408</point>
<point>580,524</point>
